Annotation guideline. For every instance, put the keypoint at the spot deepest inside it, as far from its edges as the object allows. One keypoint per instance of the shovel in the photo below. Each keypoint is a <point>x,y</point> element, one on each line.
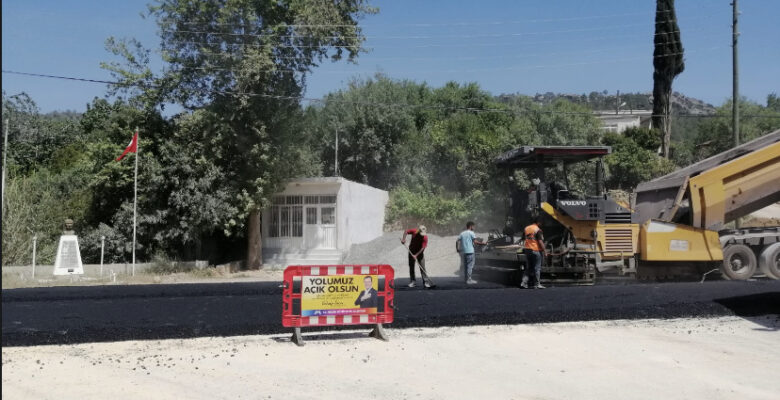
<point>433,285</point>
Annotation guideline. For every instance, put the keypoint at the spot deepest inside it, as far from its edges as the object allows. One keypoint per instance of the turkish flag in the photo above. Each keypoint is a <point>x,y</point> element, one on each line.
<point>131,148</point>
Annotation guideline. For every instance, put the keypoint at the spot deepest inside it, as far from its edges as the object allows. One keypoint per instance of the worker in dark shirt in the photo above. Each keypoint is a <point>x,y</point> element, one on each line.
<point>417,245</point>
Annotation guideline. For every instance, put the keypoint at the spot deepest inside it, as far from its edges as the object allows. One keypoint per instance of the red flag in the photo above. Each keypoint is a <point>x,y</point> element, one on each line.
<point>131,148</point>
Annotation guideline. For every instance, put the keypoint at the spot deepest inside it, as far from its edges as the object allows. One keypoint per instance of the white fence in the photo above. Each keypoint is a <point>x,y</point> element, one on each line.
<point>93,270</point>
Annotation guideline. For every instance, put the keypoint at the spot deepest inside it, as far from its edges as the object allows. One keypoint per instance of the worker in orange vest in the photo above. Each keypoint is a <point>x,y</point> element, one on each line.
<point>534,251</point>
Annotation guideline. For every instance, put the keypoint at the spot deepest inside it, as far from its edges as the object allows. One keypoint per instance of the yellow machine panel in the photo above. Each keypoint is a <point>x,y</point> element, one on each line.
<point>617,240</point>
<point>614,240</point>
<point>665,241</point>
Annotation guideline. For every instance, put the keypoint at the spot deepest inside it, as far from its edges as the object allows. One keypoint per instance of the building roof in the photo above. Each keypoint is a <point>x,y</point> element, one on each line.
<point>326,181</point>
<point>531,156</point>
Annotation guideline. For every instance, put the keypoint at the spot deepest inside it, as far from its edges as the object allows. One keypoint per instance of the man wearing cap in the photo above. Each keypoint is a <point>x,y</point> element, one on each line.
<point>417,245</point>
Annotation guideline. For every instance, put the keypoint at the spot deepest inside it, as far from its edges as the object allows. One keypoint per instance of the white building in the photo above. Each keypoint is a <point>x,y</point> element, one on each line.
<point>316,220</point>
<point>618,123</point>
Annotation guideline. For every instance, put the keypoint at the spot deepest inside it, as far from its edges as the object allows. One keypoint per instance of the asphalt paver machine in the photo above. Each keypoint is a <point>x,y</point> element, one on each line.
<point>584,232</point>
<point>675,228</point>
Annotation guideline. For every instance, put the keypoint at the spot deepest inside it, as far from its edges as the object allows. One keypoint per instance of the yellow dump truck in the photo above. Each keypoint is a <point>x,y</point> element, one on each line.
<point>682,214</point>
<point>674,226</point>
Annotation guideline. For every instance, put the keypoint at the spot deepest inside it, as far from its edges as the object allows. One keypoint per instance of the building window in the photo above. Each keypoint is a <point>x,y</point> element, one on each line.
<point>328,199</point>
<point>294,199</point>
<point>311,216</point>
<point>286,217</point>
<point>328,215</point>
<point>297,221</point>
<point>273,230</point>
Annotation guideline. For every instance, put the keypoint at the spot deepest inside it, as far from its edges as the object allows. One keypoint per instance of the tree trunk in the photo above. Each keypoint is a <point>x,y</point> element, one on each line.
<point>667,127</point>
<point>254,256</point>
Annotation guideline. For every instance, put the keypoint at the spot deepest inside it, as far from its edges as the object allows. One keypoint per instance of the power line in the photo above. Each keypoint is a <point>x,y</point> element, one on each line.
<point>435,45</point>
<point>417,37</point>
<point>492,44</point>
<point>330,98</point>
<point>459,58</point>
<point>445,24</point>
<point>473,70</point>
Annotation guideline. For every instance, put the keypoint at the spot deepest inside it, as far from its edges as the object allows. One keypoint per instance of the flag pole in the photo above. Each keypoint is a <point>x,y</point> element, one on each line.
<point>135,190</point>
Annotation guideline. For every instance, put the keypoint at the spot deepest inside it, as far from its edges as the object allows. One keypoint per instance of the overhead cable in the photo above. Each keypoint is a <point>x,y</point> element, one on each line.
<point>330,98</point>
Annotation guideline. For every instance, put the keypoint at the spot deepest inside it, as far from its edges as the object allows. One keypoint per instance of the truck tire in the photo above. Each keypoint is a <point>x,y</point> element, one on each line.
<point>769,261</point>
<point>739,262</point>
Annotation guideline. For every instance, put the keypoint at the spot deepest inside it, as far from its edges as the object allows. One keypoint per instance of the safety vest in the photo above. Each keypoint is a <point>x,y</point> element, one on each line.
<point>530,238</point>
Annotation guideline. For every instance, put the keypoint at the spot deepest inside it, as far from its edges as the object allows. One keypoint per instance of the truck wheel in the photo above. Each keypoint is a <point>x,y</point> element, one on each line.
<point>769,261</point>
<point>739,262</point>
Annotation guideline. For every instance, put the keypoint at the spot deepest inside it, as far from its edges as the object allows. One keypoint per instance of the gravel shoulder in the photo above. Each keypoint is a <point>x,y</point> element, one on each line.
<point>718,358</point>
<point>440,257</point>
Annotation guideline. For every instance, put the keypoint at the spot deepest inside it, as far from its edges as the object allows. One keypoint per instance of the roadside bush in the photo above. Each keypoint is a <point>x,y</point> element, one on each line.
<point>163,265</point>
<point>438,210</point>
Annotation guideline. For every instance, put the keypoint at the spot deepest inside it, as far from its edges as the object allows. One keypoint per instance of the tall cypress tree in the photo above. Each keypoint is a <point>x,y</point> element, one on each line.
<point>667,63</point>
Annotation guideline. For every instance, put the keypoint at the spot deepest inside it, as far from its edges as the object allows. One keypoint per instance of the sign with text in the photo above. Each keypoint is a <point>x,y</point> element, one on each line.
<point>337,295</point>
<point>68,261</point>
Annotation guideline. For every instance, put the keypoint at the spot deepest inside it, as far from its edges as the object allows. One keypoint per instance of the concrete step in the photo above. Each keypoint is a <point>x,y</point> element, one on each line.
<point>301,257</point>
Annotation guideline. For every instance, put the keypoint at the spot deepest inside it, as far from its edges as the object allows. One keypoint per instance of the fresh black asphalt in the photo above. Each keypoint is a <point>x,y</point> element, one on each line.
<point>61,315</point>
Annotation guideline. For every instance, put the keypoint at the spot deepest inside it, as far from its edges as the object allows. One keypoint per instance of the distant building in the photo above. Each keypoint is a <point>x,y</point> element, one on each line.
<point>316,220</point>
<point>619,122</point>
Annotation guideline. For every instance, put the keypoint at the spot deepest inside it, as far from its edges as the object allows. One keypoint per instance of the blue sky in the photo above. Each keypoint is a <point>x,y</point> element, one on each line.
<point>513,46</point>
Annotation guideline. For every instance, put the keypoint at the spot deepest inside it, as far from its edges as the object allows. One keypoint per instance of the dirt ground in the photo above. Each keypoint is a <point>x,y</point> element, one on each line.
<point>768,216</point>
<point>722,358</point>
<point>440,256</point>
<point>441,260</point>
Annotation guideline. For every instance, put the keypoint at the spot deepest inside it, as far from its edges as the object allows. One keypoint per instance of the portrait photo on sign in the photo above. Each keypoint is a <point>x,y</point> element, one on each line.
<point>340,295</point>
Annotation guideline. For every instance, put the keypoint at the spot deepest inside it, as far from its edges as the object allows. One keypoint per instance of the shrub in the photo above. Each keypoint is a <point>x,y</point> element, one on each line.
<point>444,212</point>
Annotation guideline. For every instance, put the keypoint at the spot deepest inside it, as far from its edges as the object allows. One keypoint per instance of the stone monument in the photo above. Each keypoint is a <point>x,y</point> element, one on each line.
<point>68,261</point>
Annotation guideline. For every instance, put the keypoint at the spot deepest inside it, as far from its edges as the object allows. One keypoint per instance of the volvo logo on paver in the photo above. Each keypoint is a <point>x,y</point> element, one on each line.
<point>573,202</point>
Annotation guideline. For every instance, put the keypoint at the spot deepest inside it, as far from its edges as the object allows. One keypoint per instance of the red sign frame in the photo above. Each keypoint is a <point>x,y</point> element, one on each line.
<point>291,320</point>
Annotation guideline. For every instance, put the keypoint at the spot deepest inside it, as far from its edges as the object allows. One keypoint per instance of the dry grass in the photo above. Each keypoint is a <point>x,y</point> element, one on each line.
<point>206,275</point>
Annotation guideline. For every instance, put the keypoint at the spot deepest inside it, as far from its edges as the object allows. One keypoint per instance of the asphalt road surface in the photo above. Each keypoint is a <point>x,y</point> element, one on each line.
<point>64,315</point>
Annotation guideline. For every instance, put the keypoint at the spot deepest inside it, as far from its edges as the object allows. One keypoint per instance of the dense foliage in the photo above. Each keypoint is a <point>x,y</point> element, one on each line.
<point>237,72</point>
<point>425,145</point>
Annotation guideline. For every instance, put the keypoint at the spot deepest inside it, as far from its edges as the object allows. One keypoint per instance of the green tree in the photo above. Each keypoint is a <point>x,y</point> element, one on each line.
<point>714,135</point>
<point>773,102</point>
<point>667,64</point>
<point>34,139</point>
<point>46,179</point>
<point>646,138</point>
<point>244,62</point>
<point>371,132</point>
<point>633,159</point>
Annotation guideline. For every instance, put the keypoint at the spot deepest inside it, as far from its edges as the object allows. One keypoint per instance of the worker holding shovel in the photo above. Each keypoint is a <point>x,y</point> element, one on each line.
<point>416,249</point>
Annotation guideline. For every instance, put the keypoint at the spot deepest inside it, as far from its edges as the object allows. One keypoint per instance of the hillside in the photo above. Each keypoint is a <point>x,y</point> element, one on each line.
<point>681,103</point>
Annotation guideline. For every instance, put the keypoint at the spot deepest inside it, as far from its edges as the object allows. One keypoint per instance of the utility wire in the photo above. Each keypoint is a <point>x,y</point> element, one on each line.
<point>459,58</point>
<point>417,37</point>
<point>493,44</point>
<point>439,71</point>
<point>330,98</point>
<point>445,24</point>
